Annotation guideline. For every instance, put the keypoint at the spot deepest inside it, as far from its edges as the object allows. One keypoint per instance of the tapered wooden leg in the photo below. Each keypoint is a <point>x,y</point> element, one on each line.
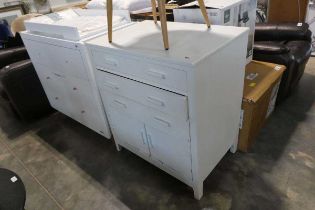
<point>163,23</point>
<point>110,20</point>
<point>204,12</point>
<point>154,11</point>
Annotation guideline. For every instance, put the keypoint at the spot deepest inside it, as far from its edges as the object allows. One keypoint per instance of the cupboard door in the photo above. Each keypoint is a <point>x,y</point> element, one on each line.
<point>172,151</point>
<point>128,131</point>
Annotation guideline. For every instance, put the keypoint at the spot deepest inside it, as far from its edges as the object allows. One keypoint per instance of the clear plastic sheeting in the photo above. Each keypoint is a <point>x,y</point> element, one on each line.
<point>74,24</point>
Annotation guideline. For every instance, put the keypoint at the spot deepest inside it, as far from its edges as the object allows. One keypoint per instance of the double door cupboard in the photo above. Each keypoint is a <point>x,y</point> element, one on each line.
<point>178,109</point>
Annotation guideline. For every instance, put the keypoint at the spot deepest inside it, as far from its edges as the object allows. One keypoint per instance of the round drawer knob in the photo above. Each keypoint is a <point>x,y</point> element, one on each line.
<point>82,111</point>
<point>47,77</point>
<point>75,88</point>
<point>56,98</point>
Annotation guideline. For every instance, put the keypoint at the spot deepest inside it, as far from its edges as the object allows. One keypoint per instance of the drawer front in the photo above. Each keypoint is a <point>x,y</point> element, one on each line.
<point>84,106</point>
<point>60,60</point>
<point>54,87</point>
<point>38,52</point>
<point>80,98</point>
<point>70,61</point>
<point>164,101</point>
<point>162,76</point>
<point>156,119</point>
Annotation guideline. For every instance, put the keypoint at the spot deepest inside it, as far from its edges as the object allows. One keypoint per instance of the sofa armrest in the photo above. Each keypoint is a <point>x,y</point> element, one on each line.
<point>271,48</point>
<point>282,32</point>
<point>12,55</point>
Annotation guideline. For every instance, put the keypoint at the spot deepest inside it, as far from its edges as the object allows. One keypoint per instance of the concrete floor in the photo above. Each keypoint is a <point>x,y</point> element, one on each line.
<point>67,166</point>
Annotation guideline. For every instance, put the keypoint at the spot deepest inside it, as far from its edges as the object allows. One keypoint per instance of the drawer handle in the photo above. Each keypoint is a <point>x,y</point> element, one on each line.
<point>157,74</point>
<point>163,122</point>
<point>111,85</point>
<point>47,77</point>
<point>58,75</point>
<point>120,104</point>
<point>155,101</point>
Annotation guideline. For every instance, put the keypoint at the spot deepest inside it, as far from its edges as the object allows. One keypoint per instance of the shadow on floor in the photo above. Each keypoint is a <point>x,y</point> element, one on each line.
<point>238,181</point>
<point>12,126</point>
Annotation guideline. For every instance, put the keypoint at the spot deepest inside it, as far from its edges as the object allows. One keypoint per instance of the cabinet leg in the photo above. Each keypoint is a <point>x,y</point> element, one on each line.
<point>118,147</point>
<point>233,148</point>
<point>198,190</point>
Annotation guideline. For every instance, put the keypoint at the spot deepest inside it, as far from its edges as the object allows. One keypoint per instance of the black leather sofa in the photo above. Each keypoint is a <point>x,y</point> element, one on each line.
<point>14,51</point>
<point>19,83</point>
<point>287,44</point>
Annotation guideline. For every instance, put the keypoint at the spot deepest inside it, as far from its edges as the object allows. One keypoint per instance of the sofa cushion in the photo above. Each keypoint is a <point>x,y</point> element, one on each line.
<point>283,31</point>
<point>270,48</point>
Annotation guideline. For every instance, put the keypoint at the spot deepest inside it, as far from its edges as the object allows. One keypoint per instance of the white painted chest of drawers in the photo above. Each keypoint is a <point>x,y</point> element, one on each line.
<point>61,61</point>
<point>178,109</point>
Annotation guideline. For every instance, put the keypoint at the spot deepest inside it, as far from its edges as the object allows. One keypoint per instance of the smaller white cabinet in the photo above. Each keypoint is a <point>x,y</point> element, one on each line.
<point>55,43</point>
<point>67,79</point>
<point>178,109</point>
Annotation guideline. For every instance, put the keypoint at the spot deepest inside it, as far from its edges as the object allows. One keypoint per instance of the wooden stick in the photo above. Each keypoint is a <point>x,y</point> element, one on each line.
<point>153,3</point>
<point>163,23</point>
<point>204,12</point>
<point>110,20</point>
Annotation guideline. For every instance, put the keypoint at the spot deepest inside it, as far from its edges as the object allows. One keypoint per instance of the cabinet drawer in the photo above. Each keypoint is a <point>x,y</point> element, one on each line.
<point>60,60</point>
<point>55,89</point>
<point>162,100</point>
<point>162,76</point>
<point>80,98</point>
<point>70,60</point>
<point>159,120</point>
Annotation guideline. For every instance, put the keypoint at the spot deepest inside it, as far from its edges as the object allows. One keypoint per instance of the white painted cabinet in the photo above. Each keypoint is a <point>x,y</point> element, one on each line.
<point>178,109</point>
<point>55,45</point>
<point>67,80</point>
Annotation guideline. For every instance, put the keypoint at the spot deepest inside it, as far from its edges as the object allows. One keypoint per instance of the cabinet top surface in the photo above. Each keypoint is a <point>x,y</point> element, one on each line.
<point>189,42</point>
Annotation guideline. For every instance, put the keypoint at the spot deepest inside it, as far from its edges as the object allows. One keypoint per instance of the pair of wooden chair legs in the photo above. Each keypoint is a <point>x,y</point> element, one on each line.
<point>162,14</point>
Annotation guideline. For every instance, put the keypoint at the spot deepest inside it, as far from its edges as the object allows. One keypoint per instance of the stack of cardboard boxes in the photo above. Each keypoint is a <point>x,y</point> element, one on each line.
<point>241,13</point>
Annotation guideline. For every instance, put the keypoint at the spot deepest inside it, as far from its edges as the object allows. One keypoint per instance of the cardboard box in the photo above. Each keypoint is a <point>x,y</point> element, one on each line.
<point>219,12</point>
<point>241,13</point>
<point>261,87</point>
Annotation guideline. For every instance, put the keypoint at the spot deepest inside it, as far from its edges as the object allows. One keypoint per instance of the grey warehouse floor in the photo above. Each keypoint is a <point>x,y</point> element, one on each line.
<point>67,166</point>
